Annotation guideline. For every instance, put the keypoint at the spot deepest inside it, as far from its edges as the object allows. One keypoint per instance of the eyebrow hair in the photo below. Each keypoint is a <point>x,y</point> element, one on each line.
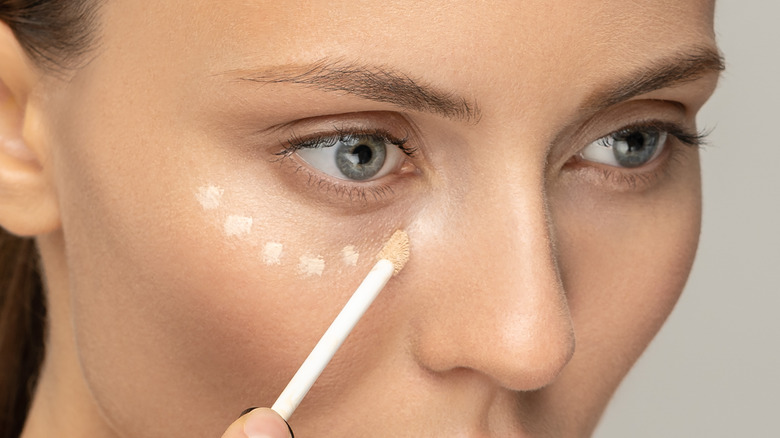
<point>682,67</point>
<point>377,83</point>
<point>382,84</point>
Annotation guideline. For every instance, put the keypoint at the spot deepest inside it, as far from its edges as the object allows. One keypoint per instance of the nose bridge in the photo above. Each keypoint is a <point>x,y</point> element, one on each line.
<point>500,308</point>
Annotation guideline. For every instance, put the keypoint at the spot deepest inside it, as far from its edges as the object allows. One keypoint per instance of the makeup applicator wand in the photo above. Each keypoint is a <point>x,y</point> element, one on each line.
<point>392,259</point>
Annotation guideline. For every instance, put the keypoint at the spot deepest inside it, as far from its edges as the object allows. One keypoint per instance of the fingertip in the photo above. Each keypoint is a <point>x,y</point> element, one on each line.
<point>265,423</point>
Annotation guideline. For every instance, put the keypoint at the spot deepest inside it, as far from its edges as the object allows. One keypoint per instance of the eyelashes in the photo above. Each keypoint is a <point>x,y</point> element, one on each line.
<point>360,164</point>
<point>329,139</point>
<point>685,136</point>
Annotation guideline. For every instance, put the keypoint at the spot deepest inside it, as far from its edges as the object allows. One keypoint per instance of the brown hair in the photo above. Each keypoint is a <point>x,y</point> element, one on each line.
<point>22,321</point>
<point>55,34</point>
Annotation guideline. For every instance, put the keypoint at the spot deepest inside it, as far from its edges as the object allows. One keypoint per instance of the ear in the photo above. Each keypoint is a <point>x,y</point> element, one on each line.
<point>28,204</point>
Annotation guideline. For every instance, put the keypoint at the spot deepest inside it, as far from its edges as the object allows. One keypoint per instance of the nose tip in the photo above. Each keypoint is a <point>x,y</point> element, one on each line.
<point>531,351</point>
<point>521,349</point>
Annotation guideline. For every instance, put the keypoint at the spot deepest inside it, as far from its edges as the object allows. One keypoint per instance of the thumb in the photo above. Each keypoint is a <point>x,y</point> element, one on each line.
<point>259,423</point>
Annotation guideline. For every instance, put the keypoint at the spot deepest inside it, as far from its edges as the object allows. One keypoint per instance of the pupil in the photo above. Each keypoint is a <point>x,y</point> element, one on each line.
<point>363,154</point>
<point>635,141</point>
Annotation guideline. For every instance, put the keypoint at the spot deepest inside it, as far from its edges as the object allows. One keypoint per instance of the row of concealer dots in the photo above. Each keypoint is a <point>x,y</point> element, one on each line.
<point>210,197</point>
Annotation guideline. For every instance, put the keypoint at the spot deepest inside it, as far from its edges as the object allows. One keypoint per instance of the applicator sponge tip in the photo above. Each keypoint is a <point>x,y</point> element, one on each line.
<point>396,250</point>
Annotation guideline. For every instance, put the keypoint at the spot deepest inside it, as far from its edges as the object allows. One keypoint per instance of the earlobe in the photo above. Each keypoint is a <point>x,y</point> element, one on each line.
<point>28,205</point>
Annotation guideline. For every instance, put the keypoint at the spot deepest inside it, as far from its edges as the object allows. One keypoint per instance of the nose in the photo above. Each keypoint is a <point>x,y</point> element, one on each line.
<point>492,300</point>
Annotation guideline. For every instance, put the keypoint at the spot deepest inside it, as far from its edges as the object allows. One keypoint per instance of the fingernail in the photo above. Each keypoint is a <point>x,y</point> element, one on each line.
<point>246,411</point>
<point>265,423</point>
<point>292,435</point>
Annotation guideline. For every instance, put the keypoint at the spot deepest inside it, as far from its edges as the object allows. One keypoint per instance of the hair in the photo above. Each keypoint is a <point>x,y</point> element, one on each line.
<point>55,35</point>
<point>22,326</point>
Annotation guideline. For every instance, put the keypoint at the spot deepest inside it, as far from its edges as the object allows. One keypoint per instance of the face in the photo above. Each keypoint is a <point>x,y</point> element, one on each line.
<point>226,175</point>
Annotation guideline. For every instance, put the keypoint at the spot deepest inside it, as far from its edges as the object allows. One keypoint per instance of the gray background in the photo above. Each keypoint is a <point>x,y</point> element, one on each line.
<point>713,369</point>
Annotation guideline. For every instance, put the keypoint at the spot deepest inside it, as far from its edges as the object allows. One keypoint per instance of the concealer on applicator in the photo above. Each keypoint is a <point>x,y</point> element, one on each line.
<point>392,259</point>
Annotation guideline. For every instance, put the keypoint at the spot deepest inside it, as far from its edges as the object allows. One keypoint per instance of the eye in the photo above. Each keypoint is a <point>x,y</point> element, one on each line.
<point>632,147</point>
<point>354,157</point>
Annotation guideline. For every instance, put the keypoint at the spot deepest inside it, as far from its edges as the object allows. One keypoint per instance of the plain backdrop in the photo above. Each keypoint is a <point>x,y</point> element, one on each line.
<point>713,369</point>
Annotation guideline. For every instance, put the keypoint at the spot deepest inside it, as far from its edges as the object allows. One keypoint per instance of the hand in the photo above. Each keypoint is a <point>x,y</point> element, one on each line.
<point>259,423</point>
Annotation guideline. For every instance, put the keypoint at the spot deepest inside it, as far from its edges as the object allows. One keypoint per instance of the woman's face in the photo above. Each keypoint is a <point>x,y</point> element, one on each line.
<point>227,171</point>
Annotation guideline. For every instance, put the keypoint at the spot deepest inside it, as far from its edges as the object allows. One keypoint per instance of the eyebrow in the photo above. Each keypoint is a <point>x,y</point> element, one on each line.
<point>383,84</point>
<point>376,83</point>
<point>684,66</point>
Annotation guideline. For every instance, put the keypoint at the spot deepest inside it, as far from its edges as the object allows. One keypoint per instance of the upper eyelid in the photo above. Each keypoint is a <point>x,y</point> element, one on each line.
<point>294,142</point>
<point>689,137</point>
<point>584,129</point>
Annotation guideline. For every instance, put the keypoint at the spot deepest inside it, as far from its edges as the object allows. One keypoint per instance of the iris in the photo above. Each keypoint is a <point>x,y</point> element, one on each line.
<point>360,157</point>
<point>635,148</point>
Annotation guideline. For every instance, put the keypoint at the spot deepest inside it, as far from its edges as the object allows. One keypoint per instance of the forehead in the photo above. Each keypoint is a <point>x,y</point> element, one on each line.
<point>480,49</point>
<point>416,30</point>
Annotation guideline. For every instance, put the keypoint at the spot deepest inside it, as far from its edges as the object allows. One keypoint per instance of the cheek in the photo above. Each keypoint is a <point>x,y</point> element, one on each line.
<point>624,262</point>
<point>198,287</point>
<point>213,314</point>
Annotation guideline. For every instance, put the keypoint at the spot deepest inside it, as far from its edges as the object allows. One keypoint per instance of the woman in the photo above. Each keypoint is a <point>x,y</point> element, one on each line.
<point>207,182</point>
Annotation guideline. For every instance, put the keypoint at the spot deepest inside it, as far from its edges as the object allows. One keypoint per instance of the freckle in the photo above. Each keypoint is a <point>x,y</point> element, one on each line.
<point>309,265</point>
<point>349,255</point>
<point>209,196</point>
<point>272,253</point>
<point>238,225</point>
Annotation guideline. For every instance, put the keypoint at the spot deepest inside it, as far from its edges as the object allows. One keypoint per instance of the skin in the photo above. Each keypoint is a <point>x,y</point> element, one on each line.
<point>162,325</point>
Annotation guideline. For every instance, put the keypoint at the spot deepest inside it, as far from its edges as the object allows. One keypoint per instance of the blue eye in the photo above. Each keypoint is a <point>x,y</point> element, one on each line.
<point>353,157</point>
<point>626,148</point>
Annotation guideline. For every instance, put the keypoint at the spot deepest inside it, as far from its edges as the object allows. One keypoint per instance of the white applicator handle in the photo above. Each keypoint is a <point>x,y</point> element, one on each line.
<point>323,352</point>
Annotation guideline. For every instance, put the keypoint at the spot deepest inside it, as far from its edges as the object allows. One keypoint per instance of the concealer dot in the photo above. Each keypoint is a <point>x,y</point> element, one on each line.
<point>311,265</point>
<point>272,253</point>
<point>349,255</point>
<point>237,225</point>
<point>209,196</point>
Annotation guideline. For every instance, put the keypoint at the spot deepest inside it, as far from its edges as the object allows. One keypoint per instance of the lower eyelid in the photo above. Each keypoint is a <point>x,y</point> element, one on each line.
<point>371,191</point>
<point>319,186</point>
